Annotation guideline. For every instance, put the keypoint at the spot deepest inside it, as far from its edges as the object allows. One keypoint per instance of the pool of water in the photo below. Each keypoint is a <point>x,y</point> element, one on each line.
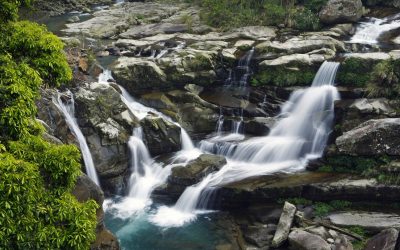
<point>137,232</point>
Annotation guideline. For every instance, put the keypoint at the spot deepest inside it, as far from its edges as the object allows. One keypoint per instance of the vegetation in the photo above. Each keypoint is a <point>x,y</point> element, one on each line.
<point>320,208</point>
<point>37,209</point>
<point>283,77</point>
<point>384,79</point>
<point>225,14</point>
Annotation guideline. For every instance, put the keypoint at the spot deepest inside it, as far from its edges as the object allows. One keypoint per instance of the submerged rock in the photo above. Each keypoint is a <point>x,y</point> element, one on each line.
<point>341,11</point>
<point>302,240</point>
<point>160,135</point>
<point>284,225</point>
<point>372,138</point>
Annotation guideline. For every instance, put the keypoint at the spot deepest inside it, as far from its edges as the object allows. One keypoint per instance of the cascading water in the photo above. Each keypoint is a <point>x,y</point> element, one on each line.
<point>369,31</point>
<point>239,76</point>
<point>68,111</point>
<point>301,134</point>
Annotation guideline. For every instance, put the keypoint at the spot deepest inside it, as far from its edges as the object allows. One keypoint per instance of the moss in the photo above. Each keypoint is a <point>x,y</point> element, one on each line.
<point>283,77</point>
<point>354,72</point>
<point>385,80</point>
<point>351,164</point>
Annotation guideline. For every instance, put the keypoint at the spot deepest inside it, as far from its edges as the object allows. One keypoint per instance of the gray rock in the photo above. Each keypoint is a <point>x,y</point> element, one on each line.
<point>284,225</point>
<point>385,240</point>
<point>302,240</point>
<point>372,221</point>
<point>258,235</point>
<point>320,231</point>
<point>196,170</point>
<point>73,19</point>
<point>160,136</point>
<point>374,137</point>
<point>259,125</point>
<point>341,11</point>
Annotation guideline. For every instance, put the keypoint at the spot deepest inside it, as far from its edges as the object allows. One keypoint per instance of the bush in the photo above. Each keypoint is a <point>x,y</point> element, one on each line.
<point>384,80</point>
<point>305,19</point>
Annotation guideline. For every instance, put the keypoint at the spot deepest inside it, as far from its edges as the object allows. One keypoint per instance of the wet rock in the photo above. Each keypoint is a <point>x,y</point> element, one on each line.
<point>284,225</point>
<point>196,170</point>
<point>385,240</point>
<point>160,136</point>
<point>302,240</point>
<point>374,137</point>
<point>107,124</point>
<point>341,11</point>
<point>259,125</point>
<point>73,19</point>
<point>372,221</point>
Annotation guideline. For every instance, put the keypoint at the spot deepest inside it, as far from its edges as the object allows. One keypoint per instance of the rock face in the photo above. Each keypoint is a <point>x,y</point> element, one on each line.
<point>341,11</point>
<point>196,170</point>
<point>372,221</point>
<point>160,136</point>
<point>284,225</point>
<point>374,137</point>
<point>186,107</point>
<point>107,124</point>
<point>84,190</point>
<point>302,240</point>
<point>385,240</point>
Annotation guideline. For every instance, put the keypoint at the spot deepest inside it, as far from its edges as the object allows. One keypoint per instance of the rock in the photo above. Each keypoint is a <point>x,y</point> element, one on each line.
<point>71,41</point>
<point>385,240</point>
<point>290,60</point>
<point>284,225</point>
<point>102,53</point>
<point>138,75</point>
<point>372,221</point>
<point>259,126</point>
<point>302,240</point>
<point>160,136</point>
<point>107,124</point>
<point>73,19</point>
<point>374,137</point>
<point>341,11</point>
<point>196,170</point>
<point>320,231</point>
<point>83,64</point>
<point>370,57</point>
<point>258,235</point>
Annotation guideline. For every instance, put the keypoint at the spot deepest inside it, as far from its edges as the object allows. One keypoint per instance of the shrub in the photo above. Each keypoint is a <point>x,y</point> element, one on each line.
<point>384,79</point>
<point>305,19</point>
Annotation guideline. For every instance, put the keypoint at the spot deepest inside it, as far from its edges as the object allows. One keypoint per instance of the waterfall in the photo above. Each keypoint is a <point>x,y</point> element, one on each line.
<point>369,32</point>
<point>242,71</point>
<point>68,111</point>
<point>301,134</point>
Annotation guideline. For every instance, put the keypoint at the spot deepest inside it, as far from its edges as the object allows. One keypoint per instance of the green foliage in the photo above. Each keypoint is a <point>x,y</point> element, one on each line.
<point>314,5</point>
<point>384,79</point>
<point>321,209</point>
<point>32,44</point>
<point>305,19</point>
<point>37,210</point>
<point>351,164</point>
<point>9,9</point>
<point>32,217</point>
<point>296,201</point>
<point>283,77</point>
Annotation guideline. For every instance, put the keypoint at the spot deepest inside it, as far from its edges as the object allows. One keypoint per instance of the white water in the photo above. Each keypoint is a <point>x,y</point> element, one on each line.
<point>369,32</point>
<point>242,69</point>
<point>301,134</point>
<point>146,174</point>
<point>68,111</point>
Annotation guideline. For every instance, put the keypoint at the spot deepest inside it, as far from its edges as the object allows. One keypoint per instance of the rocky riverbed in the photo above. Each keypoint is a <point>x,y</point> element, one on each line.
<point>195,78</point>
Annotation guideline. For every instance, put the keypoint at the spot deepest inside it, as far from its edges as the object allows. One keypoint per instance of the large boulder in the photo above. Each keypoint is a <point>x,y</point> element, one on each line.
<point>160,136</point>
<point>284,225</point>
<point>196,170</point>
<point>302,240</point>
<point>107,124</point>
<point>372,221</point>
<point>372,138</point>
<point>341,11</point>
<point>385,240</point>
<point>139,75</point>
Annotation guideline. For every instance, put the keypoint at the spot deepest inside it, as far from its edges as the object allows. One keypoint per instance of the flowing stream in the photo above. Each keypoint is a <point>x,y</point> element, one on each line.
<point>68,111</point>
<point>369,31</point>
<point>300,134</point>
